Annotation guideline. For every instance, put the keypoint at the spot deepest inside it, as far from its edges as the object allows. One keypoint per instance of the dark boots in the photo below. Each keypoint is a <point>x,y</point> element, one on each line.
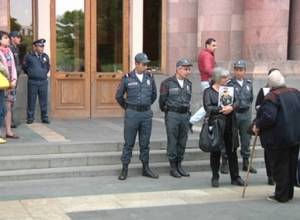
<point>124,172</point>
<point>173,169</point>
<point>224,165</point>
<point>180,170</point>
<point>147,172</point>
<point>215,181</point>
<point>246,164</point>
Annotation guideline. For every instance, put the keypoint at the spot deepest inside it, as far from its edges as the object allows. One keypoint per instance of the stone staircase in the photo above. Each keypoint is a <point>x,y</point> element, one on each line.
<point>81,159</point>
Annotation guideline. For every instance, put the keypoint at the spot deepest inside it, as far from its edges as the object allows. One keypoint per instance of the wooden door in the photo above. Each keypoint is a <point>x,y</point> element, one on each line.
<point>109,28</point>
<point>87,62</point>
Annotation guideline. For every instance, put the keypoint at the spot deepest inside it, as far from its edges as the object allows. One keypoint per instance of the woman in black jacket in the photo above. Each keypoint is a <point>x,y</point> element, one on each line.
<point>220,78</point>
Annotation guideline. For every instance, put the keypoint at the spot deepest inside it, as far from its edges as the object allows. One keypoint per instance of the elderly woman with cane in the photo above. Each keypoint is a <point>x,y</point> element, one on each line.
<point>220,77</point>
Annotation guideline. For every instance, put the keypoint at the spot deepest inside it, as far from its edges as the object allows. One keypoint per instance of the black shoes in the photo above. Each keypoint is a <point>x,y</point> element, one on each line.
<point>238,182</point>
<point>124,172</point>
<point>45,121</point>
<point>29,121</point>
<point>246,164</point>
<point>215,182</point>
<point>173,169</point>
<point>181,171</point>
<point>147,172</point>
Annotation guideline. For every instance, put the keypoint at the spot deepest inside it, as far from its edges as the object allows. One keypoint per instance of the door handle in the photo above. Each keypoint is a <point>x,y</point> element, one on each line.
<point>74,75</point>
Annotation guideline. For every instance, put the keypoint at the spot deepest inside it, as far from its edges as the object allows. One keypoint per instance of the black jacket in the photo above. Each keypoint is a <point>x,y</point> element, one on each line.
<point>278,118</point>
<point>173,96</point>
<point>210,103</point>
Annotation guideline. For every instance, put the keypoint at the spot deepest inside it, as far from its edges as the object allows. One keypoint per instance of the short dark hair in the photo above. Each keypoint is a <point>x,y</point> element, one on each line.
<point>3,33</point>
<point>209,41</point>
<point>273,69</point>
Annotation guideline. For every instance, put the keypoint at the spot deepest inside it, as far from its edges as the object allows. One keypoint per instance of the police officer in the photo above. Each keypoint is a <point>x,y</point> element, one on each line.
<point>174,100</point>
<point>243,89</point>
<point>15,41</point>
<point>36,65</point>
<point>136,93</point>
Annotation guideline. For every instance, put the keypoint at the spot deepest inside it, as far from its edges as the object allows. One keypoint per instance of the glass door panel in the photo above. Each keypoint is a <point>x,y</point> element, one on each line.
<point>109,36</point>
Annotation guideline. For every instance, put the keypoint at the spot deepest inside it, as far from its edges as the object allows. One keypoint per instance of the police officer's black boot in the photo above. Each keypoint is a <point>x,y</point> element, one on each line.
<point>124,172</point>
<point>246,164</point>
<point>180,170</point>
<point>147,172</point>
<point>224,166</point>
<point>173,169</point>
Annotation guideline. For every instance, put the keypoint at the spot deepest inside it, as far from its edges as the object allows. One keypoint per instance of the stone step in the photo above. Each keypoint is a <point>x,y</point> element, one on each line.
<point>75,147</point>
<point>90,159</point>
<point>78,147</point>
<point>106,170</point>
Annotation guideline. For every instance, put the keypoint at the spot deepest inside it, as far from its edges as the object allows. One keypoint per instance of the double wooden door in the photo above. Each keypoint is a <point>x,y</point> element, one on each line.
<point>89,53</point>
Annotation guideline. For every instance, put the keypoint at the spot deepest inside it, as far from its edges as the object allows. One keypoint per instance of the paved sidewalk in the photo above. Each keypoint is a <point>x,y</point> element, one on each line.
<point>142,198</point>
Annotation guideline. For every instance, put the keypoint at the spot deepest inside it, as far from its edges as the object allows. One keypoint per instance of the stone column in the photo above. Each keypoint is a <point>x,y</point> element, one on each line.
<point>4,15</point>
<point>266,30</point>
<point>136,29</point>
<point>222,20</point>
<point>182,31</point>
<point>294,40</point>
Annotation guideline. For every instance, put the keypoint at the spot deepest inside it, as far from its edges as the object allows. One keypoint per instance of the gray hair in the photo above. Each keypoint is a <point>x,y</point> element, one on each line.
<point>218,73</point>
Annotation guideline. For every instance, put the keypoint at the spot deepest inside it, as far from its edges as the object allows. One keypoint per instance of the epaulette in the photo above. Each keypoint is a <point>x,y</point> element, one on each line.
<point>229,81</point>
<point>249,81</point>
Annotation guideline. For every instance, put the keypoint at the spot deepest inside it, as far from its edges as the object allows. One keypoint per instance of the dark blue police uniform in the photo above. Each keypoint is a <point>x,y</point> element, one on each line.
<point>37,66</point>
<point>138,114</point>
<point>138,117</point>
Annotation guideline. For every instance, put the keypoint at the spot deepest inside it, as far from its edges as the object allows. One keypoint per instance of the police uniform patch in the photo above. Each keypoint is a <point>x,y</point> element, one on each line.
<point>132,84</point>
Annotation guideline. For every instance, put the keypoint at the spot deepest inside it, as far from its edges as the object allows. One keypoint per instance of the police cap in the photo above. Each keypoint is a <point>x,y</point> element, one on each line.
<point>39,42</point>
<point>240,64</point>
<point>14,34</point>
<point>183,62</point>
<point>141,58</point>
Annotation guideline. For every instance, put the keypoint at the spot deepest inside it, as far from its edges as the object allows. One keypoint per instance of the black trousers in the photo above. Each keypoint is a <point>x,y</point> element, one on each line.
<point>232,158</point>
<point>268,162</point>
<point>285,167</point>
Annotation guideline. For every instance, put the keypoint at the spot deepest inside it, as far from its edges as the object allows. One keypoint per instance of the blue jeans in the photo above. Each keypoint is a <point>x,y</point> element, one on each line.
<point>2,108</point>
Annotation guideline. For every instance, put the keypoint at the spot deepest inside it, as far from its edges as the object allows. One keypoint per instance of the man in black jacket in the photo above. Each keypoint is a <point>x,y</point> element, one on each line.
<point>174,100</point>
<point>278,122</point>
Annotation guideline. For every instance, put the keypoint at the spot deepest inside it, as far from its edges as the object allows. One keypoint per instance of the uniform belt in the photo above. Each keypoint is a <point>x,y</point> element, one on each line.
<point>139,108</point>
<point>181,110</point>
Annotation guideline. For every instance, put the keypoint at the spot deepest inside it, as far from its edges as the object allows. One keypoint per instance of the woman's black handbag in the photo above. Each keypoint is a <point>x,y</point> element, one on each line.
<point>211,137</point>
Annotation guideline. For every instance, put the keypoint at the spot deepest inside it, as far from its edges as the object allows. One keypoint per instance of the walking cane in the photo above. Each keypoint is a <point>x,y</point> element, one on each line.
<point>250,164</point>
